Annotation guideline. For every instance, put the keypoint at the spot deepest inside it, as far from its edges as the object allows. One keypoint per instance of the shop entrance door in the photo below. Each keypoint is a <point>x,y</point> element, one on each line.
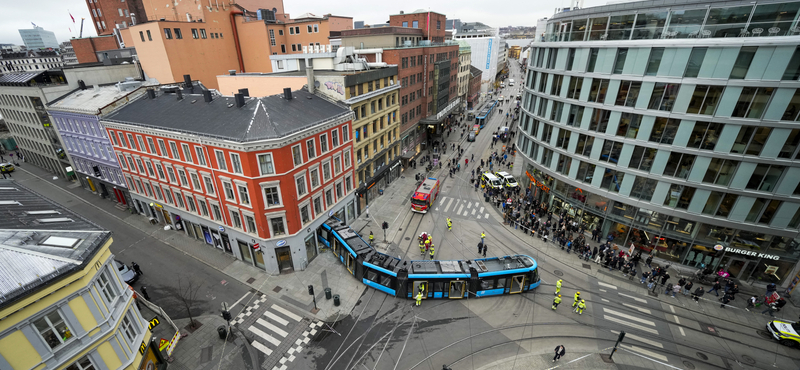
<point>284,256</point>
<point>739,268</point>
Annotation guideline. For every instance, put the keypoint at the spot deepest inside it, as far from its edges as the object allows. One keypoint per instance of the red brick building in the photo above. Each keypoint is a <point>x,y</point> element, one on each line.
<point>107,14</point>
<point>427,71</point>
<point>86,48</point>
<point>235,172</point>
<point>474,93</point>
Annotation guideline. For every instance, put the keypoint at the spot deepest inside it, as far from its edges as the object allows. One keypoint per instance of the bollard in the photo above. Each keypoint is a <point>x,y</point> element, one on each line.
<point>327,293</point>
<point>336,300</point>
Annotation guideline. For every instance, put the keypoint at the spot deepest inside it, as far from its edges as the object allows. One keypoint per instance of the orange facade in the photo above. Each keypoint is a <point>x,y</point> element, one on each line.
<point>227,183</point>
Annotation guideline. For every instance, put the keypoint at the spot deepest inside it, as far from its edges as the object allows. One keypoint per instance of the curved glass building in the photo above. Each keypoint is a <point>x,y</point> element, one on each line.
<point>673,128</point>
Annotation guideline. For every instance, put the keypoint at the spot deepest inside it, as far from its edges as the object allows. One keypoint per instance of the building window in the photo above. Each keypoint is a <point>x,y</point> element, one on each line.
<point>679,165</point>
<point>236,219</point>
<point>597,94</point>
<point>201,158</point>
<point>196,182</point>
<point>228,188</point>
<point>174,150</point>
<point>305,217</point>
<point>195,35</point>
<point>743,61</point>
<point>705,135</point>
<point>209,185</point>
<point>106,285</point>
<point>300,182</point>
<point>141,34</point>
<point>53,329</point>
<point>216,211</point>
<point>314,174</point>
<point>405,24</point>
<point>619,63</point>
<point>752,102</point>
<point>236,163</point>
<point>643,188</point>
<point>720,171</point>
<point>323,143</point>
<point>265,164</point>
<point>765,177</point>
<point>128,329</point>
<point>297,155</point>
<point>167,33</point>
<point>628,93</point>
<point>203,33</point>
<point>244,197</point>
<point>171,174</point>
<point>592,58</point>
<point>272,196</point>
<point>272,37</point>
<point>182,175</point>
<point>283,48</point>
<point>222,163</point>
<point>178,34</point>
<point>251,224</point>
<point>654,61</point>
<point>311,149</point>
<point>187,154</point>
<point>663,96</point>
<point>276,224</point>
<point>695,62</point>
<point>704,100</point>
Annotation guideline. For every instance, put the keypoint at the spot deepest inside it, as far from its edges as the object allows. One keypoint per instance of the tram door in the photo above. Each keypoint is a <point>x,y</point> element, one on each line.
<point>457,289</point>
<point>421,285</point>
<point>351,263</point>
<point>517,284</point>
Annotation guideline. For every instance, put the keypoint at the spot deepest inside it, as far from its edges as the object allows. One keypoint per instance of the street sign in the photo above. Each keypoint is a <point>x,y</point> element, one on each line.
<point>221,229</point>
<point>173,342</point>
<point>256,247</point>
<point>142,348</point>
<point>153,323</point>
<point>330,213</point>
<point>280,243</point>
<point>163,344</point>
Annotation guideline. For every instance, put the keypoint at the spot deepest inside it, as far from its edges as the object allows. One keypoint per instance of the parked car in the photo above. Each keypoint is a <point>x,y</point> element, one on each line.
<point>6,167</point>
<point>507,179</point>
<point>128,275</point>
<point>785,332</point>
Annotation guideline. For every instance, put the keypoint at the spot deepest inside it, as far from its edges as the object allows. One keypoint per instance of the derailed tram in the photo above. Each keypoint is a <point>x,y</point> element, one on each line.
<point>479,277</point>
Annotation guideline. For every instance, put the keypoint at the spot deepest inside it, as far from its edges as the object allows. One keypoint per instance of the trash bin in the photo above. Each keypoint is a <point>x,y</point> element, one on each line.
<point>336,300</point>
<point>327,293</point>
<point>222,331</point>
<point>485,198</point>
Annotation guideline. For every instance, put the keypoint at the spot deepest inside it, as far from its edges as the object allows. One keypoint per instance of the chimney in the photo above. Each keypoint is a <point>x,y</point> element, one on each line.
<point>187,81</point>
<point>180,94</point>
<point>287,93</point>
<point>82,85</point>
<point>310,75</point>
<point>151,93</point>
<point>232,72</point>
<point>402,12</point>
<point>244,92</point>
<point>207,96</point>
<point>239,100</point>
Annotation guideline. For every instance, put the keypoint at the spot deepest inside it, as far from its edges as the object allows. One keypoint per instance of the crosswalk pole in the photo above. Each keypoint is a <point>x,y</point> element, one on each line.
<point>619,339</point>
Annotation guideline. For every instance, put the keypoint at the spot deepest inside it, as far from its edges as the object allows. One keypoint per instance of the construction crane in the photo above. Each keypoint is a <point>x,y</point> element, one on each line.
<point>81,33</point>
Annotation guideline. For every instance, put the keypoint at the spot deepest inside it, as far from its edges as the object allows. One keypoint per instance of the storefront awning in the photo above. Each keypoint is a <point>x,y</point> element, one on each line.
<point>439,117</point>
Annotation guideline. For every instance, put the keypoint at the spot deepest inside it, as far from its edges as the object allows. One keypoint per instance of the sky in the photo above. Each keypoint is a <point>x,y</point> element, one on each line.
<point>53,15</point>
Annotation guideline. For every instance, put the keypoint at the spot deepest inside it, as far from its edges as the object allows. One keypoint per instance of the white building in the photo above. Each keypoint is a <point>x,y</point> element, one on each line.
<point>68,53</point>
<point>30,61</point>
<point>38,38</point>
<point>488,50</point>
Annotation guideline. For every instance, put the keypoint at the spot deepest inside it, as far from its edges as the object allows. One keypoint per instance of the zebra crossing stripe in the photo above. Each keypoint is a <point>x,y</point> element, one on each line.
<point>261,347</point>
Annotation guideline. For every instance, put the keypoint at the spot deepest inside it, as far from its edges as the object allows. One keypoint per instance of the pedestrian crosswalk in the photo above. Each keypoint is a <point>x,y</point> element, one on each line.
<point>463,208</point>
<point>271,334</point>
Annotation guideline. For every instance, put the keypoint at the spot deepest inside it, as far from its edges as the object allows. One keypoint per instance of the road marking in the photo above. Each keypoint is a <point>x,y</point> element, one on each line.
<point>276,318</point>
<point>603,290</point>
<point>459,209</point>
<point>623,322</point>
<point>486,217</point>
<point>677,320</point>
<point>604,300</point>
<point>448,205</point>
<point>671,308</point>
<point>261,347</point>
<point>286,312</point>
<point>240,299</point>
<point>606,285</point>
<point>477,204</point>
<point>469,204</point>
<point>629,317</point>
<point>481,210</point>
<point>264,335</point>
<point>640,339</point>
<point>637,299</point>
<point>466,213</point>
<point>642,310</point>
<point>681,329</point>
<point>473,211</point>
<point>274,328</point>
<point>645,352</point>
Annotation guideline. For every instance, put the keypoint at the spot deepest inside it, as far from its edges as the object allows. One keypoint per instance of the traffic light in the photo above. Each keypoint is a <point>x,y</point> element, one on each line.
<point>226,315</point>
<point>310,290</point>
<point>385,225</point>
<point>621,336</point>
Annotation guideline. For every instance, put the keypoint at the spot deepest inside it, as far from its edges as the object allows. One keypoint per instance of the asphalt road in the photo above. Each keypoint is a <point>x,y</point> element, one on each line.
<point>385,332</point>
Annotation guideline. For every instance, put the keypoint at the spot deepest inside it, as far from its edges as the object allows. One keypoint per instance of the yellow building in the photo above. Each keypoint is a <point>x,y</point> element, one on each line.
<point>464,62</point>
<point>513,52</point>
<point>63,301</point>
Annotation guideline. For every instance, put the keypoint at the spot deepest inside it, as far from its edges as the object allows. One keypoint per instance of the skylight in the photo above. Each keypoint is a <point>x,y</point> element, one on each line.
<point>7,188</point>
<point>46,212</point>
<point>60,241</point>
<point>9,202</point>
<point>55,219</point>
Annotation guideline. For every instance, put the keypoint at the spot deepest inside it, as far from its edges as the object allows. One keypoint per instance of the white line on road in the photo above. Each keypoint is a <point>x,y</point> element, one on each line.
<point>466,213</point>
<point>681,329</point>
<point>672,308</point>
<point>629,317</point>
<point>640,339</point>
<point>606,285</point>
<point>240,299</point>
<point>604,300</point>
<point>677,320</point>
<point>623,322</point>
<point>264,335</point>
<point>469,204</point>
<point>481,210</point>
<point>642,310</point>
<point>603,290</point>
<point>473,211</point>
<point>274,328</point>
<point>459,209</point>
<point>286,312</point>
<point>486,217</point>
<point>645,352</point>
<point>261,347</point>
<point>477,204</point>
<point>448,205</point>
<point>276,318</point>
<point>637,299</point>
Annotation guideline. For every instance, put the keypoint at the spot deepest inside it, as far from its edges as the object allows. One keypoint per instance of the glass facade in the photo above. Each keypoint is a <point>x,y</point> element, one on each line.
<point>693,159</point>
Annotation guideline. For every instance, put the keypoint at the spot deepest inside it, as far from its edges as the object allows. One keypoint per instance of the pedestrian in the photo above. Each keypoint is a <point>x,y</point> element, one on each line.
<point>652,283</point>
<point>367,211</point>
<point>560,351</point>
<point>771,288</point>
<point>419,298</point>
<point>697,294</point>
<point>136,268</point>
<point>649,260</point>
<point>480,248</point>
<point>431,252</point>
<point>483,237</point>
<point>645,275</point>
<point>449,224</point>
<point>716,288</point>
<point>664,279</point>
<point>484,250</point>
<point>558,286</point>
<point>577,298</point>
<point>581,306</point>
<point>687,288</point>
<point>726,299</point>
<point>144,293</point>
<point>771,308</point>
<point>421,248</point>
<point>371,237</point>
<point>751,303</point>
<point>675,289</point>
<point>556,301</point>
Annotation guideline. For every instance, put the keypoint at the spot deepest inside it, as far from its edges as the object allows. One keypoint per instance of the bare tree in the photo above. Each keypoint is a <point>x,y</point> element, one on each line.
<point>187,293</point>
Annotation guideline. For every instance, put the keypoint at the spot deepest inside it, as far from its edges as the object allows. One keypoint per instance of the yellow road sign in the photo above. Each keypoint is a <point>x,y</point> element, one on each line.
<point>163,344</point>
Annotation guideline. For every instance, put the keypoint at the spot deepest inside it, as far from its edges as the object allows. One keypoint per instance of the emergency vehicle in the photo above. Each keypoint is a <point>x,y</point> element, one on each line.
<point>425,195</point>
<point>785,332</point>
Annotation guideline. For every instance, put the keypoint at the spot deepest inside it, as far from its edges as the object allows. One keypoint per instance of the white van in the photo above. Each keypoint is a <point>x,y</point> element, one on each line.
<point>491,181</point>
<point>506,179</point>
<point>510,82</point>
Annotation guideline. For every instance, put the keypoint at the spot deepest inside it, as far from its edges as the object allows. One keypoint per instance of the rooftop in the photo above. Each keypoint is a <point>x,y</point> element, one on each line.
<point>90,101</point>
<point>418,11</point>
<point>40,241</point>
<point>390,30</point>
<point>259,119</point>
<point>474,71</point>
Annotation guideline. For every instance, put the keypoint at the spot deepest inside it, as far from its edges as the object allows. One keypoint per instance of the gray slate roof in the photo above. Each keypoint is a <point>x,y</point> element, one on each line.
<point>27,263</point>
<point>260,118</point>
<point>19,77</point>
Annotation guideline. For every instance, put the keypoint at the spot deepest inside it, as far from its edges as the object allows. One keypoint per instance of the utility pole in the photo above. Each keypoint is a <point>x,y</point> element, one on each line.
<point>311,293</point>
<point>619,339</point>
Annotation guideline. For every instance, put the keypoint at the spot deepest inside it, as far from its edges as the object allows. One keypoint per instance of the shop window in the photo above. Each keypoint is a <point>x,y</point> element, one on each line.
<point>628,93</point>
<point>705,135</point>
<point>765,177</point>
<point>629,125</point>
<point>679,165</point>
<point>720,171</point>
<point>654,61</point>
<point>597,94</point>
<point>752,102</point>
<point>663,96</point>
<point>664,130</point>
<point>704,100</point>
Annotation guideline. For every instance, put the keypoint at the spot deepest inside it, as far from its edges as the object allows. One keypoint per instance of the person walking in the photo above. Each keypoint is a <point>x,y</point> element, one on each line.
<point>556,301</point>
<point>716,288</point>
<point>419,298</point>
<point>687,288</point>
<point>771,308</point>
<point>581,306</point>
<point>558,286</point>
<point>725,300</point>
<point>483,238</point>
<point>431,252</point>
<point>449,224</point>
<point>577,298</point>
<point>649,260</point>
<point>144,293</point>
<point>560,351</point>
<point>664,278</point>
<point>675,289</point>
<point>484,251</point>
<point>645,275</point>
<point>751,303</point>
<point>371,237</point>
<point>421,248</point>
<point>697,294</point>
<point>136,268</point>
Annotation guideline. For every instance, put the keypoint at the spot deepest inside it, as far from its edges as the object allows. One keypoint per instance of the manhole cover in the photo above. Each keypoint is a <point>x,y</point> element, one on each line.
<point>251,280</point>
<point>748,359</point>
<point>688,365</point>
<point>702,356</point>
<point>407,238</point>
<point>764,334</point>
<point>277,289</point>
<point>587,266</point>
<point>558,273</point>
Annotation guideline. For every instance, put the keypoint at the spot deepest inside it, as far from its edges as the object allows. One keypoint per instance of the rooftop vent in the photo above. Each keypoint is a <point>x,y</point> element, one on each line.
<point>180,94</point>
<point>151,93</point>
<point>287,93</point>
<point>239,98</point>
<point>207,96</point>
<point>45,212</point>
<point>232,72</point>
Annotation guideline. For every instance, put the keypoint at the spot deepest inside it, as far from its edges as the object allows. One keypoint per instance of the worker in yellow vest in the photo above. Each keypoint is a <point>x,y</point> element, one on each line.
<point>556,301</point>
<point>371,237</point>
<point>577,298</point>
<point>558,286</point>
<point>449,224</point>
<point>581,306</point>
<point>431,251</point>
<point>421,248</point>
<point>419,298</point>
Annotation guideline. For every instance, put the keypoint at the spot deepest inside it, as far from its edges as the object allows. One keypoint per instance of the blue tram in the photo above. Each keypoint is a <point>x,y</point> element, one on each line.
<point>482,118</point>
<point>436,279</point>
